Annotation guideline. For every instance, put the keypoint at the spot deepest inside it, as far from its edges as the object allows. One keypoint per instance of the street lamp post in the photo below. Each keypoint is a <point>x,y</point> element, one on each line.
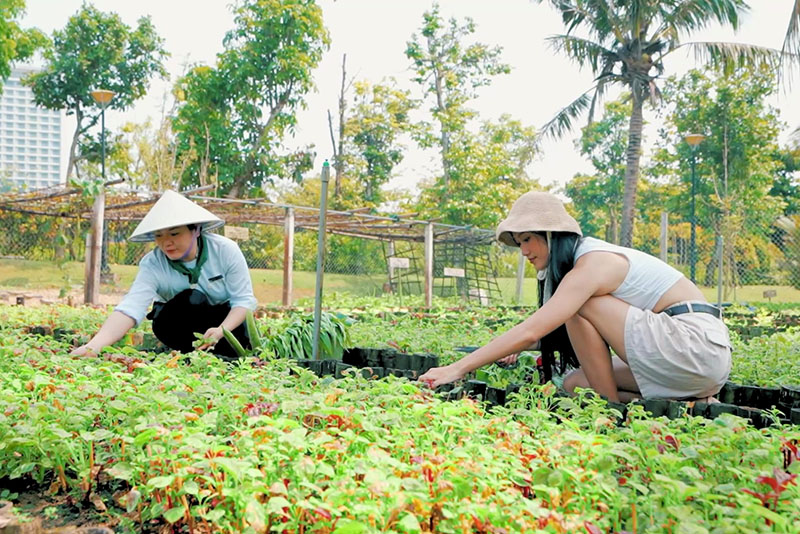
<point>103,98</point>
<point>693,139</point>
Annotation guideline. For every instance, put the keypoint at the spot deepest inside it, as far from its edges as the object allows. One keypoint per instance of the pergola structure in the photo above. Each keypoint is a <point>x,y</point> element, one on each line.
<point>129,205</point>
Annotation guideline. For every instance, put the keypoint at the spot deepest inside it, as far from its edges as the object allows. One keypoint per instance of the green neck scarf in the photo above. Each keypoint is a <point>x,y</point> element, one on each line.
<point>194,272</point>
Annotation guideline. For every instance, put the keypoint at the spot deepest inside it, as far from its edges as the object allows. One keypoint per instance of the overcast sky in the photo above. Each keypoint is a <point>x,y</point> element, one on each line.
<point>374,33</point>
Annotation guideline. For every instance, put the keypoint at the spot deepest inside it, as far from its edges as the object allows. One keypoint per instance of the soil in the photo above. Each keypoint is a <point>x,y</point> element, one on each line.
<point>37,511</point>
<point>37,297</point>
<point>110,295</point>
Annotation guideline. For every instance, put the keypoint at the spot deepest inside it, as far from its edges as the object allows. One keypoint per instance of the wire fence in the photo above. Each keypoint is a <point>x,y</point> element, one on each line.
<point>758,263</point>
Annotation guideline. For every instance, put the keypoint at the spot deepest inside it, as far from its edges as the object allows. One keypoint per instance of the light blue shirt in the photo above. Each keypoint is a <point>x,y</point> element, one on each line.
<point>223,277</point>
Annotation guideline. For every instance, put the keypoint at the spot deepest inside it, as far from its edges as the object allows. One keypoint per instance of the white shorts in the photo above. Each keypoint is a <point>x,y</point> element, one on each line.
<point>677,357</point>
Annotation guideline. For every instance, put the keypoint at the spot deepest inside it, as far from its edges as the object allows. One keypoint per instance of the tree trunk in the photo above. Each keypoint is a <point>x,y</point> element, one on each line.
<point>445,136</point>
<point>240,181</point>
<point>74,145</point>
<point>711,271</point>
<point>613,227</point>
<point>634,154</point>
<point>338,161</point>
<point>336,155</point>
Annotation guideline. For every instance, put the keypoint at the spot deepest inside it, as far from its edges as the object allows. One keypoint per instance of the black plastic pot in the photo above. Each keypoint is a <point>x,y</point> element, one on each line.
<point>339,369</point>
<point>399,373</point>
<point>373,372</point>
<point>373,357</point>
<point>656,407</point>
<point>768,397</point>
<point>450,391</point>
<point>475,389</point>
<point>746,396</point>
<point>727,395</point>
<point>621,408</point>
<point>512,388</point>
<point>674,409</point>
<point>429,362</point>
<point>785,409</point>
<point>402,361</point>
<point>41,330</point>
<point>495,396</point>
<point>794,417</point>
<point>700,409</point>
<point>790,394</point>
<point>416,362</point>
<point>389,358</point>
<point>716,409</point>
<point>315,366</point>
<point>757,418</point>
<point>329,367</point>
<point>354,356</point>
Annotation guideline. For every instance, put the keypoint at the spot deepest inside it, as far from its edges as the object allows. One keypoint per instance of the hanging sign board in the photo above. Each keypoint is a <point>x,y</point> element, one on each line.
<point>399,263</point>
<point>239,233</point>
<point>454,271</point>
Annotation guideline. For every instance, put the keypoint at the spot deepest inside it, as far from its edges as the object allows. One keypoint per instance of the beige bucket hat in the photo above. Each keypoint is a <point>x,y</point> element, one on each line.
<point>173,209</point>
<point>536,211</point>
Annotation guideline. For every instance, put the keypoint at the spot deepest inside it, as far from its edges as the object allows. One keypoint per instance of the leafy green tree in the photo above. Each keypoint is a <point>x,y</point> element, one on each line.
<point>625,44</point>
<point>380,116</point>
<point>597,199</point>
<point>489,172</point>
<point>16,44</point>
<point>141,152</point>
<point>450,73</point>
<point>787,179</point>
<point>96,50</point>
<point>202,128</point>
<point>790,237</point>
<point>235,115</point>
<point>736,162</point>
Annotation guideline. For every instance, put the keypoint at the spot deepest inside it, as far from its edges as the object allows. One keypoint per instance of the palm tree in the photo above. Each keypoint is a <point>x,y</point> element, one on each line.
<point>625,42</point>
<point>791,44</point>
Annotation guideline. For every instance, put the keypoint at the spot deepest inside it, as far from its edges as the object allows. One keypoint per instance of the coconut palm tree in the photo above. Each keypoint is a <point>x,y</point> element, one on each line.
<point>791,44</point>
<point>625,43</point>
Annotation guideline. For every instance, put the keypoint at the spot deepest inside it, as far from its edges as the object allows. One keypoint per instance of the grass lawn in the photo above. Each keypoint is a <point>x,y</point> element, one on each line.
<point>26,275</point>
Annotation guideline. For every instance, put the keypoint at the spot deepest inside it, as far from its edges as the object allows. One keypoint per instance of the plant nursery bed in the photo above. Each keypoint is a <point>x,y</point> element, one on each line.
<point>186,443</point>
<point>748,402</point>
<point>374,363</point>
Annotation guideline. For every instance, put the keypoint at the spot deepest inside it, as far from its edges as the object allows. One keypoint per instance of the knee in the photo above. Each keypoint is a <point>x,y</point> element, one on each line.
<point>575,379</point>
<point>590,307</point>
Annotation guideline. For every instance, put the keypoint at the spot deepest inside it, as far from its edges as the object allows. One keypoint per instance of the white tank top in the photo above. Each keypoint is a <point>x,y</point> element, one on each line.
<point>648,277</point>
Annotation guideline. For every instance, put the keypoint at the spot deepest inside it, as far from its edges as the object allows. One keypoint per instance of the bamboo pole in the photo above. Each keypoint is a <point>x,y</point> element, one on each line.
<point>94,253</point>
<point>288,257</point>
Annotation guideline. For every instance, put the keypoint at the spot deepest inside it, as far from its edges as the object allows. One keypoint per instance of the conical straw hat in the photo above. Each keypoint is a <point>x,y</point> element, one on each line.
<point>173,209</point>
<point>536,211</point>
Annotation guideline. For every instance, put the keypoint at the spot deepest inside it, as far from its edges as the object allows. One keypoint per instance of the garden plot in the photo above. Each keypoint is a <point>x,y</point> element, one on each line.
<point>165,442</point>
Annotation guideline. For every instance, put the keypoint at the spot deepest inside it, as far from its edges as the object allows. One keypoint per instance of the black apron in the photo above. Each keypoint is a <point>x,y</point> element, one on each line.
<point>176,321</point>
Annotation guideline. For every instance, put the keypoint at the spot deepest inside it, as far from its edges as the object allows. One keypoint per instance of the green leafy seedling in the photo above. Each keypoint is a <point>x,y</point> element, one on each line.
<point>240,350</point>
<point>202,340</point>
<point>252,331</point>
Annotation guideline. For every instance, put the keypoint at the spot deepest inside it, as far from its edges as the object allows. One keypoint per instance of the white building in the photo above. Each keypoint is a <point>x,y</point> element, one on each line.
<point>30,137</point>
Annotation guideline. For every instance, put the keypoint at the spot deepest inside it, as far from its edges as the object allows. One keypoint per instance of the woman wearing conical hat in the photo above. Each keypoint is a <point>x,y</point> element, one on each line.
<point>668,341</point>
<point>198,282</point>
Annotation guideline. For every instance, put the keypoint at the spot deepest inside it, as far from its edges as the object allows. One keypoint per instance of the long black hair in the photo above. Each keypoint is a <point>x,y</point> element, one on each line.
<point>561,260</point>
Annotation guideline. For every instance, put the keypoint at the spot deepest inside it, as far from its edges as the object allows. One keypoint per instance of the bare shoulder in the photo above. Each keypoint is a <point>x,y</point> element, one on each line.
<point>606,270</point>
<point>604,259</point>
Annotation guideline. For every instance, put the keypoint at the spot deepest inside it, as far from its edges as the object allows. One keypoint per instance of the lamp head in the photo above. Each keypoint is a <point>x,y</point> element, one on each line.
<point>102,97</point>
<point>694,139</point>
